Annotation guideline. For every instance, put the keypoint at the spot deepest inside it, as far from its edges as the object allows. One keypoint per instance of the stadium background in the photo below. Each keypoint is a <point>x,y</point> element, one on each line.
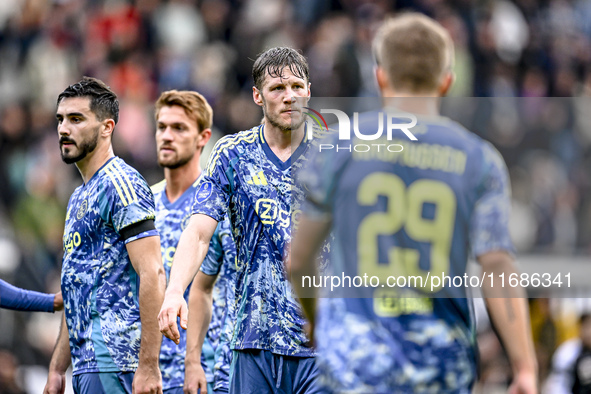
<point>519,50</point>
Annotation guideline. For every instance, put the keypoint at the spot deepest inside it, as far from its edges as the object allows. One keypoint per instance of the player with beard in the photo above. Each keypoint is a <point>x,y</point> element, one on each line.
<point>110,246</point>
<point>183,128</point>
<point>249,178</point>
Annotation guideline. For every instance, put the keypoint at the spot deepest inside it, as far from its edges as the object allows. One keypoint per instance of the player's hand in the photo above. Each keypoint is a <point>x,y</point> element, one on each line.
<point>195,379</point>
<point>173,306</point>
<point>524,383</point>
<point>58,302</point>
<point>147,380</point>
<point>56,383</point>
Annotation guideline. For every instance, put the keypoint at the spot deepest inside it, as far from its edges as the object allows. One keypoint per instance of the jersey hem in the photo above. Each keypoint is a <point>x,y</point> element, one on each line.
<point>280,351</point>
<point>108,370</point>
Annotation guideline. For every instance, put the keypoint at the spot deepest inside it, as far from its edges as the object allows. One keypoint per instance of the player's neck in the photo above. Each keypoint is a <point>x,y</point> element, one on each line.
<point>419,104</point>
<point>178,180</point>
<point>283,143</point>
<point>94,161</point>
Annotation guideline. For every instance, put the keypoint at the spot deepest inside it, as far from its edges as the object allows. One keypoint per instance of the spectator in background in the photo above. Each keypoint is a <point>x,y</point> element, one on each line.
<point>571,363</point>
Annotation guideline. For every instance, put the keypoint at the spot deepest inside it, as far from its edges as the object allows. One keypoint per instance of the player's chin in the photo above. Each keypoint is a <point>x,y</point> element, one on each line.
<point>68,151</point>
<point>293,120</point>
<point>166,159</point>
<point>70,156</point>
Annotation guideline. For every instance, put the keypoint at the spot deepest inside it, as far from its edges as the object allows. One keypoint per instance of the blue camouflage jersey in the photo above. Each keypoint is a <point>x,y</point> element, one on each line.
<point>171,220</point>
<point>246,179</point>
<point>224,308</point>
<point>417,212</point>
<point>99,285</point>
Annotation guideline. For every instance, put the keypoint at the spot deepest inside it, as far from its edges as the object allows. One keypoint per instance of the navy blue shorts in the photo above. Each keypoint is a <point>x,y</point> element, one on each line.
<point>255,371</point>
<point>103,383</point>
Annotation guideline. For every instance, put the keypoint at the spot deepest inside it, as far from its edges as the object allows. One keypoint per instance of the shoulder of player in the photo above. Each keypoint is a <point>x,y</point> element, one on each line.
<point>119,176</point>
<point>491,155</point>
<point>230,141</point>
<point>323,134</point>
<point>158,187</point>
<point>119,170</point>
<point>472,141</point>
<point>231,146</point>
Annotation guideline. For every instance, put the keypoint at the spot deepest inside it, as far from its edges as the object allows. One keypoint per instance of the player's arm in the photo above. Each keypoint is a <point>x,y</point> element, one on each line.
<point>200,304</point>
<point>508,310</point>
<point>491,244</point>
<point>306,244</point>
<point>60,361</point>
<point>191,250</point>
<point>144,254</point>
<point>12,297</point>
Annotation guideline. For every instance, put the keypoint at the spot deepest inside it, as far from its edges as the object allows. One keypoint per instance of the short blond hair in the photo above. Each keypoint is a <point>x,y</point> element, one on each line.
<point>415,52</point>
<point>195,105</point>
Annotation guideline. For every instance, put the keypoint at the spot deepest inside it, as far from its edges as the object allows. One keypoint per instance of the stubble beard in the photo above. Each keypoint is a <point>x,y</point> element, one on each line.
<point>176,164</point>
<point>285,128</point>
<point>86,147</point>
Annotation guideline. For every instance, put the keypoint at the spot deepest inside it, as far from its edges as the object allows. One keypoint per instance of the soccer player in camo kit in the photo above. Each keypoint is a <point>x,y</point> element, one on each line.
<point>249,177</point>
<point>183,128</point>
<point>403,214</point>
<point>112,276</point>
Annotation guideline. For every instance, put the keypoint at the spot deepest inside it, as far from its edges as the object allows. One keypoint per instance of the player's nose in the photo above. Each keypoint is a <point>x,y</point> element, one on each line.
<point>62,129</point>
<point>289,96</point>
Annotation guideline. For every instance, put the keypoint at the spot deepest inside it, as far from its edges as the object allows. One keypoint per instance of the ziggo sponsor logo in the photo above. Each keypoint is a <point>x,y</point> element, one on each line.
<point>270,212</point>
<point>71,241</point>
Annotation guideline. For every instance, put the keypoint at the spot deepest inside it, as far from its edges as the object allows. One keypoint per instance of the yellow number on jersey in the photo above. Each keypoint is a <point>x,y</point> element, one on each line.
<point>404,210</point>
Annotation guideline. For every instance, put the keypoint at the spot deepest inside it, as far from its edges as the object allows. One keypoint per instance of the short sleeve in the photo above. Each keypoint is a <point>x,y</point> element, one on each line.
<point>129,198</point>
<point>213,191</point>
<point>215,255</point>
<point>489,225</point>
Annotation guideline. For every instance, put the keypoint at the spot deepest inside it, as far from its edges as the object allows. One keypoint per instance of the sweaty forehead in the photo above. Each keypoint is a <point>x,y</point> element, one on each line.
<point>286,76</point>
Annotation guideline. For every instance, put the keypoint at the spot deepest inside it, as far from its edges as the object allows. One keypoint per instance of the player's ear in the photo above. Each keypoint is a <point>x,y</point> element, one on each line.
<point>203,138</point>
<point>446,83</point>
<point>382,79</point>
<point>257,96</point>
<point>107,127</point>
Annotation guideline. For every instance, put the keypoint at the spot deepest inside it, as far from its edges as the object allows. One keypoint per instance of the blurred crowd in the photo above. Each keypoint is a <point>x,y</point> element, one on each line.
<point>514,52</point>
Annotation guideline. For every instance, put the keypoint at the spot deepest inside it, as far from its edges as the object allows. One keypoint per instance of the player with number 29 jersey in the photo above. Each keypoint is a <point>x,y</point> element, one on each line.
<point>412,213</point>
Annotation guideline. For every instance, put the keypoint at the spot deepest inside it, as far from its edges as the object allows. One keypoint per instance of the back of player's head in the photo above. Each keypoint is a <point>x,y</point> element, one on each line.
<point>274,60</point>
<point>103,102</point>
<point>414,51</point>
<point>195,105</point>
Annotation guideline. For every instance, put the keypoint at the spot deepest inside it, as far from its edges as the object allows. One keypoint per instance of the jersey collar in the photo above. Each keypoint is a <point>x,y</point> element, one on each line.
<point>282,165</point>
